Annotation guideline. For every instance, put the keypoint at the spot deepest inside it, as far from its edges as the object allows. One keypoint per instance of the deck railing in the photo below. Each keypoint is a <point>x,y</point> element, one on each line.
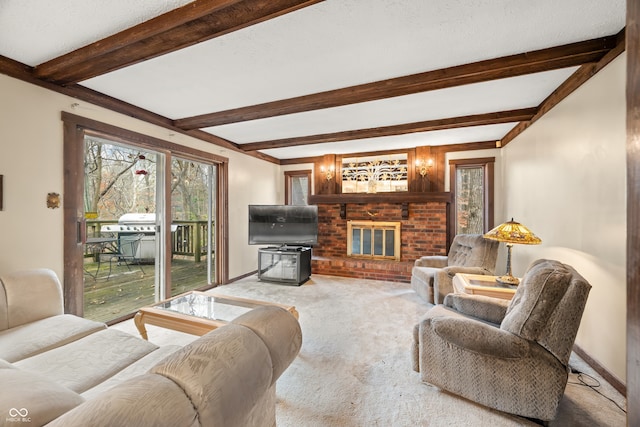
<point>189,239</point>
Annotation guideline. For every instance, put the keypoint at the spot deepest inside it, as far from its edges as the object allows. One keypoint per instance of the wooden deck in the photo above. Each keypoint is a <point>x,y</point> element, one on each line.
<point>123,292</point>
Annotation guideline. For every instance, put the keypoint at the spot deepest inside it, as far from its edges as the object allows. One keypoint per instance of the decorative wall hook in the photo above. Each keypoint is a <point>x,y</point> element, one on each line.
<point>53,200</point>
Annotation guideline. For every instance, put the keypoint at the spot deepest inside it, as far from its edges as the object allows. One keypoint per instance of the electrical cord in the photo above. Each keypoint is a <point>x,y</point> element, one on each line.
<point>593,386</point>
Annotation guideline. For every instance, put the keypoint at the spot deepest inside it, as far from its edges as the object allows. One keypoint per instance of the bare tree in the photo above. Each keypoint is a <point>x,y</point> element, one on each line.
<point>189,182</point>
<point>470,200</point>
<point>120,180</point>
<point>109,172</point>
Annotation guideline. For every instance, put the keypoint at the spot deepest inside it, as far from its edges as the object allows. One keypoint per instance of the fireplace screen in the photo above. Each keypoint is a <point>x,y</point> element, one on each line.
<point>373,239</point>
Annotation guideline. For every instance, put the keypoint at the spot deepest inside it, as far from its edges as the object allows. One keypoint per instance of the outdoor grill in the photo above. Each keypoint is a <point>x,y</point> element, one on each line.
<point>138,223</point>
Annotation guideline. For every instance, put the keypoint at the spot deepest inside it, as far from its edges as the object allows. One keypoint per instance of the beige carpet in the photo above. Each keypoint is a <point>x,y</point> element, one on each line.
<point>354,368</point>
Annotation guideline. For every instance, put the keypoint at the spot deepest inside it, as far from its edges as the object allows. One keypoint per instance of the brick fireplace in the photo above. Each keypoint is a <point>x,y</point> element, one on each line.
<point>423,221</point>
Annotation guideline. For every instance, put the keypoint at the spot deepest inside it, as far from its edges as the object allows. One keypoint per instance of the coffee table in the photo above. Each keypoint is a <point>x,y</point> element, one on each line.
<point>197,312</point>
<point>479,284</point>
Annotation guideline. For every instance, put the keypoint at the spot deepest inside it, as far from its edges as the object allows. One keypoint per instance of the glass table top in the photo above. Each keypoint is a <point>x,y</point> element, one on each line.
<point>204,306</point>
<point>491,283</point>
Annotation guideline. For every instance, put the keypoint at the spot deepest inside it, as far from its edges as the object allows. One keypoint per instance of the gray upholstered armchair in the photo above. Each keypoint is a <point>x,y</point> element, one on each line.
<point>511,356</point>
<point>432,276</point>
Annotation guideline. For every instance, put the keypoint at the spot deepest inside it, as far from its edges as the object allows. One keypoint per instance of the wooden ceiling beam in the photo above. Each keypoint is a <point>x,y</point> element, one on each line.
<point>576,80</point>
<point>23,72</point>
<point>402,129</point>
<point>437,149</point>
<point>509,66</point>
<point>177,29</point>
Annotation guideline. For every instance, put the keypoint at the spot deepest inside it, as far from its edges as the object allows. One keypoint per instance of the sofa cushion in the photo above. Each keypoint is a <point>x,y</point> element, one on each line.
<point>540,291</point>
<point>139,367</point>
<point>473,250</point>
<point>81,365</point>
<point>29,396</point>
<point>43,335</point>
<point>481,307</point>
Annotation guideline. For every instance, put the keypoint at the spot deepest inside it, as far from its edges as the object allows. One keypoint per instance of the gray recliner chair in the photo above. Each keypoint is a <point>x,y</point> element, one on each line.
<point>512,356</point>
<point>432,276</point>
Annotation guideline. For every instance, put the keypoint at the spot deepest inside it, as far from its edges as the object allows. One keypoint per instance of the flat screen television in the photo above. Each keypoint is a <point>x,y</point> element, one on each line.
<point>283,225</point>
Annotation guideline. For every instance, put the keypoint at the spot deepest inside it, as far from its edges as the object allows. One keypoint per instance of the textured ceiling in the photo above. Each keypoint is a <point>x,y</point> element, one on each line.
<point>35,31</point>
<point>325,46</point>
<point>458,101</point>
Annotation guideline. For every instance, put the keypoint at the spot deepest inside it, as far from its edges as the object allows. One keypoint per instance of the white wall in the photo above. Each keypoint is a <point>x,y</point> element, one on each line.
<point>31,153</point>
<point>565,179</point>
<point>251,182</point>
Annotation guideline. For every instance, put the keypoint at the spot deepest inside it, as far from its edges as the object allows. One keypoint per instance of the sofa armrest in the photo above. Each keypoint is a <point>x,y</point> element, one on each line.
<point>145,400</point>
<point>227,370</point>
<point>280,332</point>
<point>480,338</point>
<point>30,295</point>
<point>481,307</point>
<point>435,261</point>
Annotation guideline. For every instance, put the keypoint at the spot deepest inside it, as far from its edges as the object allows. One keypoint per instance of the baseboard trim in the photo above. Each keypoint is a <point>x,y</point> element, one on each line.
<point>235,279</point>
<point>602,371</point>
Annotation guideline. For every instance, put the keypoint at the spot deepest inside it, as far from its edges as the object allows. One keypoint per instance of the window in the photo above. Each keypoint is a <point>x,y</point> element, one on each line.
<point>375,174</point>
<point>472,186</point>
<point>297,187</point>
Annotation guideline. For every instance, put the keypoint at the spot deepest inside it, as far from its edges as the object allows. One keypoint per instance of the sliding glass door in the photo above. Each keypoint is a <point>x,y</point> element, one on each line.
<point>129,199</point>
<point>144,219</point>
<point>122,266</point>
<point>193,211</point>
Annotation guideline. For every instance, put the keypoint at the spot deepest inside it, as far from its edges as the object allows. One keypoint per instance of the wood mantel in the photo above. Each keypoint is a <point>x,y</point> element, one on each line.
<point>382,197</point>
<point>401,198</point>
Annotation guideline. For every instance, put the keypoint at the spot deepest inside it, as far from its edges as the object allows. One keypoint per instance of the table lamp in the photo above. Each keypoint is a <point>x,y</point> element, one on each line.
<point>512,232</point>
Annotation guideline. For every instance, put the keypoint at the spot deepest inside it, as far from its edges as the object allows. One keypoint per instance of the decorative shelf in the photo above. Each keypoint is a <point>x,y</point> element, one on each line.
<point>396,197</point>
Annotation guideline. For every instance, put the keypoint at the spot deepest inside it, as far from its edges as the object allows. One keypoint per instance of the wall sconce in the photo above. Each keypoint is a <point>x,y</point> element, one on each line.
<point>424,166</point>
<point>328,172</point>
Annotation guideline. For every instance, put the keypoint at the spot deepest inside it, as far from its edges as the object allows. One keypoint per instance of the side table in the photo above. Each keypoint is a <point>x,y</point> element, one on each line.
<point>479,284</point>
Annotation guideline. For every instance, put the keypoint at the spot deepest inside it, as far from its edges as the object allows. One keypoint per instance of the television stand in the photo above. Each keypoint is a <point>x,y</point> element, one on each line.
<point>284,264</point>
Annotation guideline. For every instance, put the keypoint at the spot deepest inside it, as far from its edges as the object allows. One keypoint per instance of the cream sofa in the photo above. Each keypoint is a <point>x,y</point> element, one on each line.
<point>63,370</point>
